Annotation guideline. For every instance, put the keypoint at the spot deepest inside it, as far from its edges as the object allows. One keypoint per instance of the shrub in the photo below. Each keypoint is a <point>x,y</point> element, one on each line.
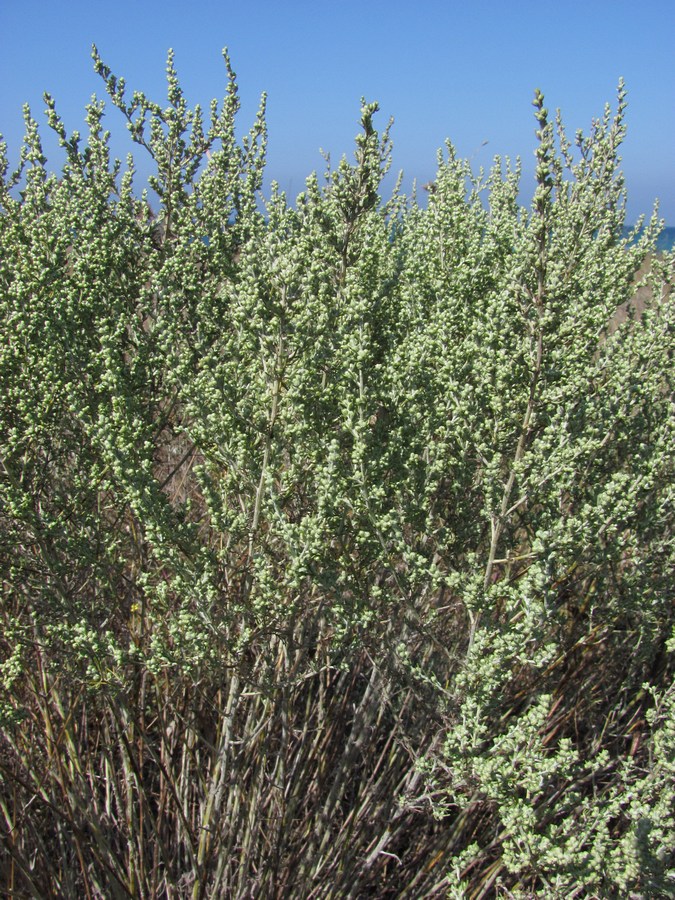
<point>337,539</point>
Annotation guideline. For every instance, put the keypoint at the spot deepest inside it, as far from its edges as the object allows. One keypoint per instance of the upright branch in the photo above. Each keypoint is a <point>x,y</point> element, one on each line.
<point>542,204</point>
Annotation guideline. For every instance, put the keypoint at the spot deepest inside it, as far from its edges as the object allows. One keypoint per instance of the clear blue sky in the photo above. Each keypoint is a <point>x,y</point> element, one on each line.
<point>463,71</point>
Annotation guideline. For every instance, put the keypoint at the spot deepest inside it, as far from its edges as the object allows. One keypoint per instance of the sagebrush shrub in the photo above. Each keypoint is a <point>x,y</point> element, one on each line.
<point>337,538</point>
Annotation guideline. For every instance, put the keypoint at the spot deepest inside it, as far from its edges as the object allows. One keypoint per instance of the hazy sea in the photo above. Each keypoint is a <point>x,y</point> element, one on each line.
<point>666,240</point>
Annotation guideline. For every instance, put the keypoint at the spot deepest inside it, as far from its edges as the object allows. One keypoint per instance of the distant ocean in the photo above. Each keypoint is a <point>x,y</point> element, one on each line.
<point>666,240</point>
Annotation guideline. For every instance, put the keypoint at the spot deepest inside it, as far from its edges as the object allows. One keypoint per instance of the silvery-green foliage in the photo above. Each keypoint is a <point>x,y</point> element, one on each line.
<point>337,537</point>
<point>569,605</point>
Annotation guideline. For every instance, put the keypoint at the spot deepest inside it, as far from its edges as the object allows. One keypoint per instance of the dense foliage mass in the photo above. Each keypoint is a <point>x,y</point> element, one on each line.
<point>336,539</point>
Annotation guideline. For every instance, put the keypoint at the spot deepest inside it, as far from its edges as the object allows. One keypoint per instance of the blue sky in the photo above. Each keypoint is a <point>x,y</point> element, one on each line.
<point>463,71</point>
